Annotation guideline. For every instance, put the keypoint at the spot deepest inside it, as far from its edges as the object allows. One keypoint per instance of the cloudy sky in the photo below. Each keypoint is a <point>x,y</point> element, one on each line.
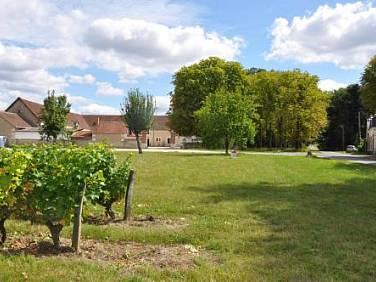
<point>94,51</point>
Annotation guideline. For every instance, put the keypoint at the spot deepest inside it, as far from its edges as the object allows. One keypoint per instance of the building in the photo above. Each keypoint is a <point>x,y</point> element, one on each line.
<point>9,123</point>
<point>112,129</point>
<point>20,124</point>
<point>371,135</point>
<point>160,134</point>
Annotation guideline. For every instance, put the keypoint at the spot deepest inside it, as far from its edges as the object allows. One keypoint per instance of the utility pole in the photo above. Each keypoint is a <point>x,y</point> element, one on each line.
<point>343,136</point>
<point>359,127</point>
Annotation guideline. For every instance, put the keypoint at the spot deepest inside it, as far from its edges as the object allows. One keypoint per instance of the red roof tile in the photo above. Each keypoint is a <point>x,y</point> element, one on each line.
<point>36,110</point>
<point>106,124</point>
<point>83,134</point>
<point>14,119</point>
<point>160,123</point>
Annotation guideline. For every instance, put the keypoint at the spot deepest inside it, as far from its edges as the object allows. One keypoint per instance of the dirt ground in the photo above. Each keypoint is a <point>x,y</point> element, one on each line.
<point>145,220</point>
<point>127,254</point>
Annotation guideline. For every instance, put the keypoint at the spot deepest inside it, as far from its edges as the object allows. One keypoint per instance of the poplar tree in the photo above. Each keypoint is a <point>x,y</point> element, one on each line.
<point>138,113</point>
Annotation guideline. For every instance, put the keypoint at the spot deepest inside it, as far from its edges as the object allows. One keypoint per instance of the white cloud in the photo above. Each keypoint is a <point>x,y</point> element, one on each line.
<point>344,35</point>
<point>95,108</point>
<point>84,79</point>
<point>162,104</point>
<point>134,48</point>
<point>330,85</point>
<point>127,37</point>
<point>106,89</point>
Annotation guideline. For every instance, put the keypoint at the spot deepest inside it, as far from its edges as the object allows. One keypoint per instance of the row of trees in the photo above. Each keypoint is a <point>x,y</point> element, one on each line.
<point>348,111</point>
<point>48,184</point>
<point>228,105</point>
<point>346,119</point>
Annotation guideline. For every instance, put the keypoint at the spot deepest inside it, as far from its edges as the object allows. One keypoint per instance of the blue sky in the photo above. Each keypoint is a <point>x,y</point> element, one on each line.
<point>94,51</point>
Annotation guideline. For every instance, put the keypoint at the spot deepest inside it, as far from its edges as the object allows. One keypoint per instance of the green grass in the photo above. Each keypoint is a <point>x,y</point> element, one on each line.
<point>267,218</point>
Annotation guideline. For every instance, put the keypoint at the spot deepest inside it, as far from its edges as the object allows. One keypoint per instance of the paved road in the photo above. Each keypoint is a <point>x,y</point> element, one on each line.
<point>363,159</point>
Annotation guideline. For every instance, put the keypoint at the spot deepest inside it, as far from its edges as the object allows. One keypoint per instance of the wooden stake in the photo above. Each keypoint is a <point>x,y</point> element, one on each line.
<point>76,235</point>
<point>128,195</point>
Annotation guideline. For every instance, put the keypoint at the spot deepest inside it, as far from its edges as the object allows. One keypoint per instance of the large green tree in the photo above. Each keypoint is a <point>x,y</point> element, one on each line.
<point>345,114</point>
<point>291,107</point>
<point>194,83</point>
<point>138,113</point>
<point>54,116</point>
<point>368,92</point>
<point>227,118</point>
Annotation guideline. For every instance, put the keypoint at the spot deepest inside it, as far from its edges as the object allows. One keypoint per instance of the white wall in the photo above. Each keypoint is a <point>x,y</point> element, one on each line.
<point>26,135</point>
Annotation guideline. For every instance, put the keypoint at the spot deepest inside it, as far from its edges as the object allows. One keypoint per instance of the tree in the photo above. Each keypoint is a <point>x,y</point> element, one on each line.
<point>194,83</point>
<point>368,82</point>
<point>54,116</point>
<point>344,111</point>
<point>138,113</point>
<point>292,108</point>
<point>227,117</point>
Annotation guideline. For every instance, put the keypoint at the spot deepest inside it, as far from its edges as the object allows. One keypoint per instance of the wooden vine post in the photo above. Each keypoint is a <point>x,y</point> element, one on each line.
<point>76,235</point>
<point>128,195</point>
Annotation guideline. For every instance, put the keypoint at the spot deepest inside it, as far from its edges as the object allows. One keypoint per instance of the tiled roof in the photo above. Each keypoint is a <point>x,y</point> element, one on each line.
<point>106,124</point>
<point>36,110</point>
<point>83,134</point>
<point>160,123</point>
<point>14,119</point>
<point>72,118</point>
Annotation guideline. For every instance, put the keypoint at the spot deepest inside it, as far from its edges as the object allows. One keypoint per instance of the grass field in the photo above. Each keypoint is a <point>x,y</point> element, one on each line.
<point>266,218</point>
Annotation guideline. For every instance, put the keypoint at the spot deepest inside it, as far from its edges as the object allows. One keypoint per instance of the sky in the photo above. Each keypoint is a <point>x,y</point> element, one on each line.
<point>94,51</point>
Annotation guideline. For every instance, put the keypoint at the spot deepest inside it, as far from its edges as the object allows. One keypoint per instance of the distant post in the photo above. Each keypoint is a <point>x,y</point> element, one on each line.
<point>76,235</point>
<point>128,195</point>
<point>343,136</point>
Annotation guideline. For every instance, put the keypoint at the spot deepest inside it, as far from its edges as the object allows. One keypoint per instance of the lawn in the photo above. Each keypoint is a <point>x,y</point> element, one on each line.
<point>263,218</point>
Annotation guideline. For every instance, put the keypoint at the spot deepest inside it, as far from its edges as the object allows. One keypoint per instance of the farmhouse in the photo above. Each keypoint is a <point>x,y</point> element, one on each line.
<point>371,135</point>
<point>20,124</point>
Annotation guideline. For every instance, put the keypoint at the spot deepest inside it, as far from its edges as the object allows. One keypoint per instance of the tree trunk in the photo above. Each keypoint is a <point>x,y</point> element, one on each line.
<point>109,211</point>
<point>76,235</point>
<point>138,144</point>
<point>227,145</point>
<point>55,230</point>
<point>128,195</point>
<point>3,231</point>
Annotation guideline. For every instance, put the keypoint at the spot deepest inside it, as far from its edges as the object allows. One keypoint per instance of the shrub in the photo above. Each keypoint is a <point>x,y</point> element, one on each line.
<point>47,182</point>
<point>13,188</point>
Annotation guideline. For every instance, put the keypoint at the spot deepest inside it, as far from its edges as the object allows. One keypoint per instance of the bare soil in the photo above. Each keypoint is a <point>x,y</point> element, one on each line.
<point>141,221</point>
<point>127,254</point>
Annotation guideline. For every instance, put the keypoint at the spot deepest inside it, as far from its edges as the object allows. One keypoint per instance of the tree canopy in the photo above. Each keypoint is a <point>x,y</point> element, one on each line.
<point>138,113</point>
<point>196,82</point>
<point>227,118</point>
<point>343,119</point>
<point>368,92</point>
<point>291,107</point>
<point>54,116</point>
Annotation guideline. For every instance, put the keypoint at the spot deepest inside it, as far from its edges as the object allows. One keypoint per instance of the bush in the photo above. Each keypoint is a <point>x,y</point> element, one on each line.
<point>13,188</point>
<point>46,182</point>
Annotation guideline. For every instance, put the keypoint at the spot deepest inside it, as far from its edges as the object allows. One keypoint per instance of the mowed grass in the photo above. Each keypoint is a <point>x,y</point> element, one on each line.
<point>266,218</point>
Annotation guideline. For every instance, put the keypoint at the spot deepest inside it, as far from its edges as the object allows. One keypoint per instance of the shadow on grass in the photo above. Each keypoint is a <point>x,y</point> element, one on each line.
<point>38,249</point>
<point>364,169</point>
<point>320,231</point>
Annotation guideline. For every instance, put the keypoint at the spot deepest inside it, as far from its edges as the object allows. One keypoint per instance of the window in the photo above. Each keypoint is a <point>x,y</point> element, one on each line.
<point>168,140</point>
<point>158,139</point>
